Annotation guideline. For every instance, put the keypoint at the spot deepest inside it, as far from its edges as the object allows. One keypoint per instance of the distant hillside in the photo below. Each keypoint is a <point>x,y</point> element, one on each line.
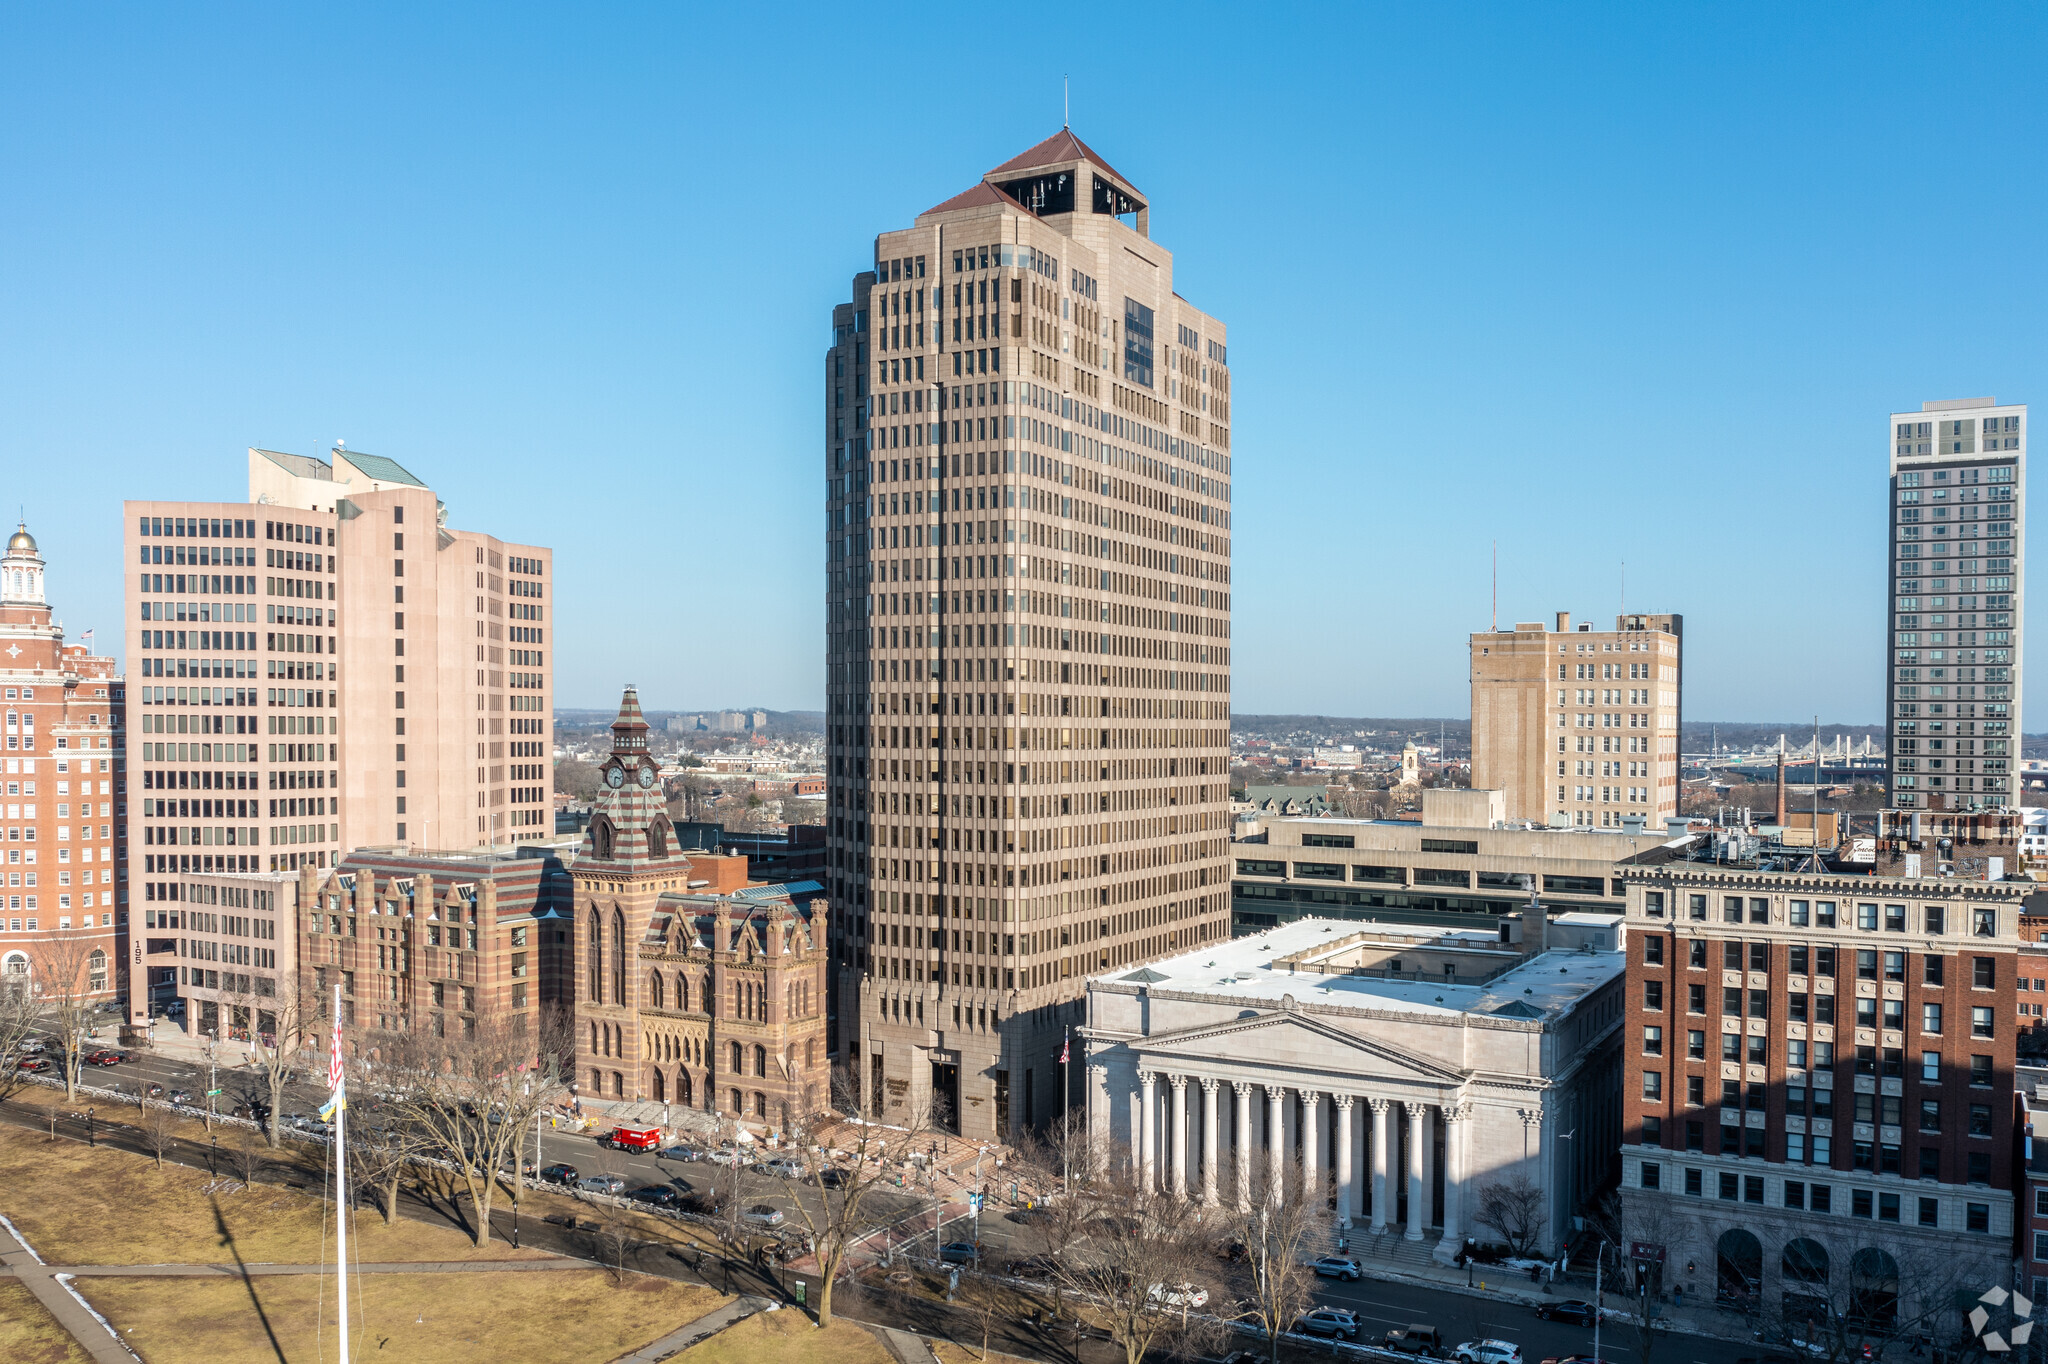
<point>779,721</point>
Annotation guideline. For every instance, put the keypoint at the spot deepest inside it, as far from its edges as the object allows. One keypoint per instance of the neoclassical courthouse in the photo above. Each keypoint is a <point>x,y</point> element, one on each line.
<point>1403,1065</point>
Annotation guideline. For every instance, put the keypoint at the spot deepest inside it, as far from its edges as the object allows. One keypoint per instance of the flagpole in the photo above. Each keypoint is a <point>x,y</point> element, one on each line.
<point>1066,1105</point>
<point>340,1175</point>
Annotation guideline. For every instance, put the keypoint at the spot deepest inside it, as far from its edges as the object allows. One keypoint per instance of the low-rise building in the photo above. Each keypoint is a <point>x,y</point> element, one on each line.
<point>212,954</point>
<point>1407,1068</point>
<point>1461,860</point>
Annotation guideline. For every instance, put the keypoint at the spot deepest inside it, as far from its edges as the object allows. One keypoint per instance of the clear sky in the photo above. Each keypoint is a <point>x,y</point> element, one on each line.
<point>1633,284</point>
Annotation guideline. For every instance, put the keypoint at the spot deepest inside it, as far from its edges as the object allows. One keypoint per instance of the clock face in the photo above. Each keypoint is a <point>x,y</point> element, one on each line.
<point>615,777</point>
<point>646,775</point>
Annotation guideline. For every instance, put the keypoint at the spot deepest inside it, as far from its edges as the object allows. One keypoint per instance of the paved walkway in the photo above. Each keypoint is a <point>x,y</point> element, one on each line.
<point>46,1282</point>
<point>197,1271</point>
<point>702,1329</point>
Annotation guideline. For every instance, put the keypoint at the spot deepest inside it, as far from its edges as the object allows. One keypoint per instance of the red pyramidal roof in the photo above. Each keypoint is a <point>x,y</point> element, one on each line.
<point>1061,146</point>
<point>983,193</point>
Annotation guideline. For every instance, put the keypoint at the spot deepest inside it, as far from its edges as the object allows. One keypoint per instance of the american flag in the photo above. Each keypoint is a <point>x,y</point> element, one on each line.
<point>1065,1043</point>
<point>338,1099</point>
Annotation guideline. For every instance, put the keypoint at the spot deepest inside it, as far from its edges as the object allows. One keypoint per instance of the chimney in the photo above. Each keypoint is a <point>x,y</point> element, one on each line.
<point>1564,622</point>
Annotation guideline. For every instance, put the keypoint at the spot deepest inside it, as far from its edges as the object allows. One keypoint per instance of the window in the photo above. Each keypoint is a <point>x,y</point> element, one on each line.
<point>1731,909</point>
<point>1977,1217</point>
<point>1980,1070</point>
<point>1980,1167</point>
<point>1980,1021</point>
<point>1983,973</point>
<point>1894,922</point>
<point>1760,956</point>
<point>1731,1047</point>
<point>1824,914</point>
<point>1980,1120</point>
<point>1820,1197</point>
<point>1866,963</point>
<point>1653,1084</point>
<point>1696,906</point>
<point>1695,999</point>
<point>1653,995</point>
<point>1752,1188</point>
<point>1728,1186</point>
<point>1653,1175</point>
<point>1797,958</point>
<point>1930,1067</point>
<point>1696,1044</point>
<point>1795,1193</point>
<point>1930,1115</point>
<point>1693,1181</point>
<point>1860,1203</point>
<point>1866,918</point>
<point>1653,1041</point>
<point>1697,957</point>
<point>1824,962</point>
<point>1653,905</point>
<point>1984,923</point>
<point>1930,1212</point>
<point>1930,1162</point>
<point>1934,919</point>
<point>1653,951</point>
<point>1930,970</point>
<point>1797,913</point>
<point>1696,1089</point>
<point>1895,966</point>
<point>1759,911</point>
<point>1653,1130</point>
<point>1795,1053</point>
<point>1887,1207</point>
<point>1731,955</point>
<point>1731,1001</point>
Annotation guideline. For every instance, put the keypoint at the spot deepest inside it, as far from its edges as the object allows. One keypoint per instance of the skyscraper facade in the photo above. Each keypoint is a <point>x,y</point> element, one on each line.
<point>1958,576</point>
<point>328,666</point>
<point>63,881</point>
<point>1580,727</point>
<point>1028,461</point>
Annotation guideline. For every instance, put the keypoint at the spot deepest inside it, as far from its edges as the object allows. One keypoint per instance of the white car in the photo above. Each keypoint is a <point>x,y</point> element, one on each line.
<point>1488,1352</point>
<point>1184,1295</point>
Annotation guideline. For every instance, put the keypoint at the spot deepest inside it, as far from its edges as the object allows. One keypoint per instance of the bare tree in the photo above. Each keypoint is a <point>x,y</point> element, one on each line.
<point>18,1013</point>
<point>1888,1296</point>
<point>469,1096</point>
<point>158,1125</point>
<point>280,1026</point>
<point>63,974</point>
<point>844,1162</point>
<point>1048,1162</point>
<point>379,1160</point>
<point>1624,1219</point>
<point>1514,1207</point>
<point>1145,1253</point>
<point>1272,1234</point>
<point>249,1160</point>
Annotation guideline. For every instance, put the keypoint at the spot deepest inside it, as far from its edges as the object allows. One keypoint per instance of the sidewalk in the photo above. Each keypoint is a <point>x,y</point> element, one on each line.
<point>47,1284</point>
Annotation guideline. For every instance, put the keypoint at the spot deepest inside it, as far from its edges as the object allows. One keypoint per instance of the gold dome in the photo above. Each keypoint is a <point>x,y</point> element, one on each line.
<point>21,541</point>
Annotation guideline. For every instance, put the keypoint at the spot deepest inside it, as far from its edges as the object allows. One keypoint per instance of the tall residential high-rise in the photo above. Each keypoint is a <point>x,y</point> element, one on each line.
<point>1028,564</point>
<point>328,666</point>
<point>1580,727</point>
<point>63,882</point>
<point>1958,574</point>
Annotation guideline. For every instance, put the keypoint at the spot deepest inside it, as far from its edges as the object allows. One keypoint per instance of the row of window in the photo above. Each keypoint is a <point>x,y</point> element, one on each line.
<point>1871,1203</point>
<point>1756,909</point>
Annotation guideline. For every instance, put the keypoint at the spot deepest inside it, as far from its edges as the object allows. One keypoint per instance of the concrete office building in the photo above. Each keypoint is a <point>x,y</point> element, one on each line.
<point>214,952</point>
<point>328,665</point>
<point>63,877</point>
<point>1956,604</point>
<point>1819,1081</point>
<point>1027,437</point>
<point>1463,863</point>
<point>1580,726</point>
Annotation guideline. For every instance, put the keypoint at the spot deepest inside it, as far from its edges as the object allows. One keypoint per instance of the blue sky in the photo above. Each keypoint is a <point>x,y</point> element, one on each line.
<point>1635,283</point>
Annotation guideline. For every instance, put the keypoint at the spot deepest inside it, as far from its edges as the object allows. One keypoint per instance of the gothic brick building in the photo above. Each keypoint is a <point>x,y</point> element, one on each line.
<point>690,989</point>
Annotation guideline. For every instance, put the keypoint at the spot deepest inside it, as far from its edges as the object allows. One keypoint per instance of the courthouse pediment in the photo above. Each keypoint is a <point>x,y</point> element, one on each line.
<point>1282,1034</point>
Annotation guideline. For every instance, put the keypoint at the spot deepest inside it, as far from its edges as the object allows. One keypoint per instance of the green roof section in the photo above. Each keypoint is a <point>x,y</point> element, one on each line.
<point>378,468</point>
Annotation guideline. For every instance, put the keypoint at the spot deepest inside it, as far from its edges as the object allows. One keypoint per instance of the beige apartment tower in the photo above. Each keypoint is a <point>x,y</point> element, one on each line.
<point>329,666</point>
<point>1579,727</point>
<point>1027,436</point>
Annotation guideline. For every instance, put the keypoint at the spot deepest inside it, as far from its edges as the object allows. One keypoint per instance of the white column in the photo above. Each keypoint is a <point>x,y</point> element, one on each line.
<point>1311,1145</point>
<point>1345,1190</point>
<point>1209,1143</point>
<point>1418,1169</point>
<point>1242,1145</point>
<point>1382,1143</point>
<point>1276,1139</point>
<point>1457,1120</point>
<point>1179,1176</point>
<point>1148,1133</point>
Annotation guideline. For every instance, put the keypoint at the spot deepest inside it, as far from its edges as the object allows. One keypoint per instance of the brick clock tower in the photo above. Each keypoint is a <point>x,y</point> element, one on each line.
<point>628,859</point>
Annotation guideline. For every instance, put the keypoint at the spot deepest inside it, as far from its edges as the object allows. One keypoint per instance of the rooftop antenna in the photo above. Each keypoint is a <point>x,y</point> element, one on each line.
<point>1495,626</point>
<point>1624,587</point>
<point>1066,106</point>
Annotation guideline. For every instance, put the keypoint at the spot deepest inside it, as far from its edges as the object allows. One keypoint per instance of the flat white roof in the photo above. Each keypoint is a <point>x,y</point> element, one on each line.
<point>1242,969</point>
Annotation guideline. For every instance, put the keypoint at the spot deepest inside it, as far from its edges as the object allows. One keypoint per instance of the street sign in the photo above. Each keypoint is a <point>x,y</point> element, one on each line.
<point>974,1202</point>
<point>211,1092</point>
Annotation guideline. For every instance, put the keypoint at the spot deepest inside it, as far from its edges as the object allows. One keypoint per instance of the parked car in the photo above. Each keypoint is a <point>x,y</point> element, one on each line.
<point>1415,1340</point>
<point>658,1195</point>
<point>1578,1359</point>
<point>153,1090</point>
<point>1575,1310</point>
<point>1488,1352</point>
<point>832,1177</point>
<point>1180,1296</point>
<point>1329,1321</point>
<point>761,1215</point>
<point>31,1046</point>
<point>604,1184</point>
<point>957,1253</point>
<point>1033,1267</point>
<point>1337,1267</point>
<point>32,1064</point>
<point>781,1168</point>
<point>560,1174</point>
<point>724,1155</point>
<point>180,1096</point>
<point>679,1153</point>
<point>104,1058</point>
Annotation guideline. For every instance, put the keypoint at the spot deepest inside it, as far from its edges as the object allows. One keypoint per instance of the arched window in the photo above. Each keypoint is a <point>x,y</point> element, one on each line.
<point>660,1087</point>
<point>654,990</point>
<point>602,838</point>
<point>596,951</point>
<point>96,969</point>
<point>734,1100</point>
<point>760,1059</point>
<point>810,1053</point>
<point>737,1067</point>
<point>760,1104</point>
<point>593,1039</point>
<point>618,1085</point>
<point>683,1088</point>
<point>1739,1267</point>
<point>15,964</point>
<point>618,957</point>
<point>658,834</point>
<point>682,992</point>
<point>1873,1289</point>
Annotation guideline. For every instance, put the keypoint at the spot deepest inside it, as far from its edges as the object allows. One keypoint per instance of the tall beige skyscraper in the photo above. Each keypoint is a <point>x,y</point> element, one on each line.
<point>328,666</point>
<point>1958,583</point>
<point>1580,727</point>
<point>1028,471</point>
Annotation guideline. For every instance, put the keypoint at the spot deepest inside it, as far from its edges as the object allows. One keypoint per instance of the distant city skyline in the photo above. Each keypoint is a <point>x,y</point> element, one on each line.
<point>1606,298</point>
